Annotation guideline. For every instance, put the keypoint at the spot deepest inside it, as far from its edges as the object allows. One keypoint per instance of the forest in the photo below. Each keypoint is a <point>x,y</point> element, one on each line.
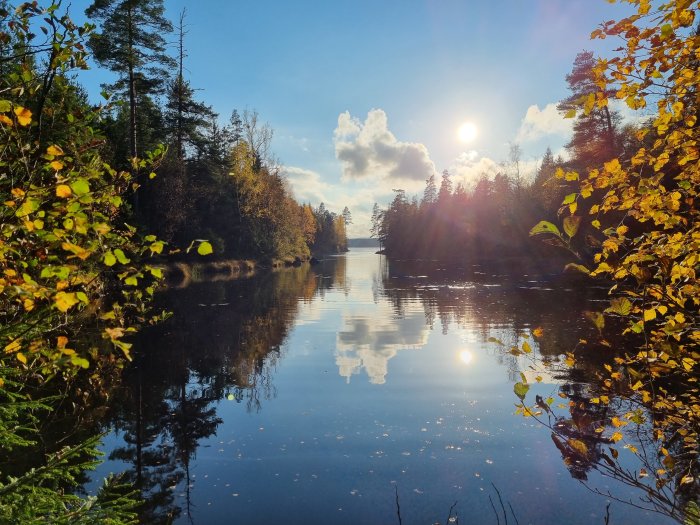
<point>97,199</point>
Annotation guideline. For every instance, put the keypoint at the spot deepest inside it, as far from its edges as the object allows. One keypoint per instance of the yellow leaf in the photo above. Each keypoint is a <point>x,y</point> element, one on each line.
<point>617,436</point>
<point>24,116</point>
<point>54,150</point>
<point>617,422</point>
<point>65,301</point>
<point>537,332</point>
<point>21,358</point>
<point>579,446</point>
<point>6,120</point>
<point>13,346</point>
<point>649,315</point>
<point>204,248</point>
<point>63,191</point>
<point>79,251</point>
<point>57,165</point>
<point>28,305</point>
<point>61,341</point>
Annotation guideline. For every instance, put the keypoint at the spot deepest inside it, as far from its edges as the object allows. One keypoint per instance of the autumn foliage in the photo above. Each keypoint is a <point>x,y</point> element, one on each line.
<point>645,211</point>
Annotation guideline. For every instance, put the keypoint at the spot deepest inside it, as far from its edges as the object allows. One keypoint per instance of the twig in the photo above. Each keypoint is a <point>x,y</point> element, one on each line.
<point>450,514</point>
<point>498,520</point>
<point>607,514</point>
<point>513,513</point>
<point>398,507</point>
<point>505,516</point>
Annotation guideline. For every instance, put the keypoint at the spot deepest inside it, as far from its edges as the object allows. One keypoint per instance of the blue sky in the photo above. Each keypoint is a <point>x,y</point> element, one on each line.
<point>366,96</point>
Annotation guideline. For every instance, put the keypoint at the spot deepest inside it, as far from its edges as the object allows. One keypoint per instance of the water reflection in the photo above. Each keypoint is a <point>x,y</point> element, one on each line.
<point>466,357</point>
<point>245,398</point>
<point>368,343</point>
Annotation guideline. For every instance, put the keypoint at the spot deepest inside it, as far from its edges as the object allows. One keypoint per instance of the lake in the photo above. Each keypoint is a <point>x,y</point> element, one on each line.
<point>326,394</point>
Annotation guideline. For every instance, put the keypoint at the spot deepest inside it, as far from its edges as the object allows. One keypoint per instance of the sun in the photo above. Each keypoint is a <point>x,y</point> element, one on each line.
<point>467,132</point>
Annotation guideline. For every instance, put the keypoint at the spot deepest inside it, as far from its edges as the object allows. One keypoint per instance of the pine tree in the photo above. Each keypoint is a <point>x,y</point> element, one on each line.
<point>595,130</point>
<point>132,45</point>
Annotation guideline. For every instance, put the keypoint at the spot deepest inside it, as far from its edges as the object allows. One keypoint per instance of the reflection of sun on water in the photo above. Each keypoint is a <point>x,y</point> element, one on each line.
<point>466,357</point>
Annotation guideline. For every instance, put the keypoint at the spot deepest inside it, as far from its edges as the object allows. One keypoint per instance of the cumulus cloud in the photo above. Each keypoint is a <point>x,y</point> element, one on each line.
<point>469,167</point>
<point>307,185</point>
<point>539,123</point>
<point>368,149</point>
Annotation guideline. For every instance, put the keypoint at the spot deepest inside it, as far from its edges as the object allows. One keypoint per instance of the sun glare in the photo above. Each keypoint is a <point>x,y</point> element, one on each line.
<point>467,132</point>
<point>466,356</point>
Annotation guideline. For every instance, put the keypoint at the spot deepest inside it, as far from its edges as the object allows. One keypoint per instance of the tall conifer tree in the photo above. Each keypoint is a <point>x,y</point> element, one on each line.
<point>132,45</point>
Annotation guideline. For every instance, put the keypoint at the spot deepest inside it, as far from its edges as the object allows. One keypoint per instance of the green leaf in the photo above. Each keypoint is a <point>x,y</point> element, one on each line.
<point>110,259</point>
<point>570,114</point>
<point>156,247</point>
<point>123,259</point>
<point>571,224</point>
<point>5,106</point>
<point>28,206</point>
<point>666,31</point>
<point>79,361</point>
<point>577,267</point>
<point>204,248</point>
<point>544,227</point>
<point>521,389</point>
<point>80,187</point>
<point>571,197</point>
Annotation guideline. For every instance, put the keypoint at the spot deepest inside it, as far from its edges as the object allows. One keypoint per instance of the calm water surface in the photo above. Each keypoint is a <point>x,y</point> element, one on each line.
<point>316,395</point>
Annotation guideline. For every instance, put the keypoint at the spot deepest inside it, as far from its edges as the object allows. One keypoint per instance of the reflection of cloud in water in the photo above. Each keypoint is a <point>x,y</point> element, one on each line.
<point>369,343</point>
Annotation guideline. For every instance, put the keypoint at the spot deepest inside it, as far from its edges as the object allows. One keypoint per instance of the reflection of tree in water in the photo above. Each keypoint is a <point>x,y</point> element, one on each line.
<point>223,341</point>
<point>503,310</point>
<point>581,436</point>
<point>490,305</point>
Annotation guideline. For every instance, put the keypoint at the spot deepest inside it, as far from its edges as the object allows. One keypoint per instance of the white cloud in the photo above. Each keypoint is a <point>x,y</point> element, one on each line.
<point>469,167</point>
<point>369,149</point>
<point>307,185</point>
<point>539,123</point>
<point>368,343</point>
